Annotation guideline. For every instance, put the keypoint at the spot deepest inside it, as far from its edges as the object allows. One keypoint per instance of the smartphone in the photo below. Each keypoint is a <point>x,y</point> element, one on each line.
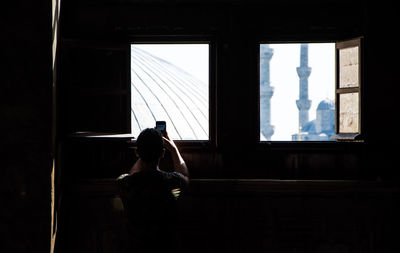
<point>161,126</point>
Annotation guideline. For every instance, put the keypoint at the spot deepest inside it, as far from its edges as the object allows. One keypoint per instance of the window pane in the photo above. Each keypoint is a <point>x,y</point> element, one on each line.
<point>348,67</point>
<point>349,113</point>
<point>297,87</point>
<point>169,82</point>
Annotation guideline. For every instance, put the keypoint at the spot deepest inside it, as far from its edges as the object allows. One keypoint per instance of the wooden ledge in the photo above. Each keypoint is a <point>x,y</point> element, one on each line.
<point>249,187</point>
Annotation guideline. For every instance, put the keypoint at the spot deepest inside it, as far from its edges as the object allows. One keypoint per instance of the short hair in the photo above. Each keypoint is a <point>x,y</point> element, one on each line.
<point>150,145</point>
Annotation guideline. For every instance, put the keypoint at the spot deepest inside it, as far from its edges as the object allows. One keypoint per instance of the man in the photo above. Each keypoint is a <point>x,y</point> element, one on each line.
<point>149,195</point>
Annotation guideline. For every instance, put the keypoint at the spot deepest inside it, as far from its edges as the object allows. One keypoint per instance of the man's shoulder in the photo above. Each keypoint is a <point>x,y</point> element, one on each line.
<point>171,175</point>
<point>175,178</point>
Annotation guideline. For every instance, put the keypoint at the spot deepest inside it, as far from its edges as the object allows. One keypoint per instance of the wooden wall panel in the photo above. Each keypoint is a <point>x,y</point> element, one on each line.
<point>247,216</point>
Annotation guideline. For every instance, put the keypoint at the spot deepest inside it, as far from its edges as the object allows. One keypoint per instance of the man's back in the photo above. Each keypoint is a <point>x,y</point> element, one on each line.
<point>151,209</point>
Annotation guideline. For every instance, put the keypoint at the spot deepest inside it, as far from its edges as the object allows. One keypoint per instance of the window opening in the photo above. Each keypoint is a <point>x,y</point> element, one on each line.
<point>297,92</point>
<point>170,82</point>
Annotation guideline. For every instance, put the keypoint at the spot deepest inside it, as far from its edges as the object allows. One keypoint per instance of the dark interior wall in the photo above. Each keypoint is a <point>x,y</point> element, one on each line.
<point>246,216</point>
<point>236,28</point>
<point>381,90</point>
<point>25,126</point>
<point>25,112</point>
<point>232,204</point>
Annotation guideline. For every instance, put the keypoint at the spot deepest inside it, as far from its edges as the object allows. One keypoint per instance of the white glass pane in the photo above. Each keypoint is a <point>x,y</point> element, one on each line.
<point>348,67</point>
<point>297,90</point>
<point>169,82</point>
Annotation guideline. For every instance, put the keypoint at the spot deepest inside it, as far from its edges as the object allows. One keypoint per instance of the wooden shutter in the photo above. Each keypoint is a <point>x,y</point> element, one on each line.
<point>94,90</point>
<point>348,89</point>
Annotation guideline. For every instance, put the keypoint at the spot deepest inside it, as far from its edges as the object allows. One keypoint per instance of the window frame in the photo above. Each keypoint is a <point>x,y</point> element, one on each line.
<point>212,82</point>
<point>337,138</point>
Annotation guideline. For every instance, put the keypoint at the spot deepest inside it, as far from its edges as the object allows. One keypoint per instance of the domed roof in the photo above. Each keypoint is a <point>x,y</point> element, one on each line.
<point>326,104</point>
<point>309,127</point>
<point>162,91</point>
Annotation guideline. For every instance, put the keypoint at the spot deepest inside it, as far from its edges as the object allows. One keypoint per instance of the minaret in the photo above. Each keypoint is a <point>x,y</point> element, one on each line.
<point>266,91</point>
<point>303,104</point>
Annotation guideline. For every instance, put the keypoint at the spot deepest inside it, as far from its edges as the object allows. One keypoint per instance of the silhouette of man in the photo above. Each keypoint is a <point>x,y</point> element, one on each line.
<point>149,195</point>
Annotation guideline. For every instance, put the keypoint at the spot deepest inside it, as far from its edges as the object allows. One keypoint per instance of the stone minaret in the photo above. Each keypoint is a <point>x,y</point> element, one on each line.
<point>266,91</point>
<point>303,104</point>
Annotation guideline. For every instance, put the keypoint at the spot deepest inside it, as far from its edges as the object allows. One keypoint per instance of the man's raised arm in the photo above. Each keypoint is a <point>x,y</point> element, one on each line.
<point>178,162</point>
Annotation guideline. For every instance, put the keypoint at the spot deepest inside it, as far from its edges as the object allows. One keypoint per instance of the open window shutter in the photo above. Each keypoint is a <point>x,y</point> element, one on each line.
<point>348,89</point>
<point>95,88</point>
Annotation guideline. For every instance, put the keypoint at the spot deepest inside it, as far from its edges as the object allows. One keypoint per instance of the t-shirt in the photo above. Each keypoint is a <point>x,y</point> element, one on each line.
<point>150,204</point>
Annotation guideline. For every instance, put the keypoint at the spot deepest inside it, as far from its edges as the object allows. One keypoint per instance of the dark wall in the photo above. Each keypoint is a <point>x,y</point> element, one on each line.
<point>232,204</point>
<point>247,216</point>
<point>26,121</point>
<point>25,126</point>
<point>236,28</point>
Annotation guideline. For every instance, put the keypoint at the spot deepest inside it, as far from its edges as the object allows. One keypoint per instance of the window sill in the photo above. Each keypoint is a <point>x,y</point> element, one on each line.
<point>310,145</point>
<point>356,137</point>
<point>97,135</point>
<point>223,187</point>
<point>130,139</point>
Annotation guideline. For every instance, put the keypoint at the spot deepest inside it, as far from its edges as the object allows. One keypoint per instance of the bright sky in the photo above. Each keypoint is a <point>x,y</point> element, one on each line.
<point>284,79</point>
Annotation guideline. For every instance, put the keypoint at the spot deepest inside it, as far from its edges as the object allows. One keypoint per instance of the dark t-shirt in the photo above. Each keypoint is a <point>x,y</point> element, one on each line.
<point>149,199</point>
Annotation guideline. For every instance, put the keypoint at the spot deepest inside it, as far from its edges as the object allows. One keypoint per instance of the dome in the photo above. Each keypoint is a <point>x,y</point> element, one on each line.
<point>162,91</point>
<point>326,104</point>
<point>309,127</point>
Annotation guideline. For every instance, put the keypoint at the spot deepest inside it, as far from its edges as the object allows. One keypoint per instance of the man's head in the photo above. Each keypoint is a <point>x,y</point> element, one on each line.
<point>150,145</point>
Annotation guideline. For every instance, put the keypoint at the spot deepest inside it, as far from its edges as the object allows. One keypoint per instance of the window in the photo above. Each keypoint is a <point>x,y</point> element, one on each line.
<point>297,92</point>
<point>170,82</point>
<point>304,96</point>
